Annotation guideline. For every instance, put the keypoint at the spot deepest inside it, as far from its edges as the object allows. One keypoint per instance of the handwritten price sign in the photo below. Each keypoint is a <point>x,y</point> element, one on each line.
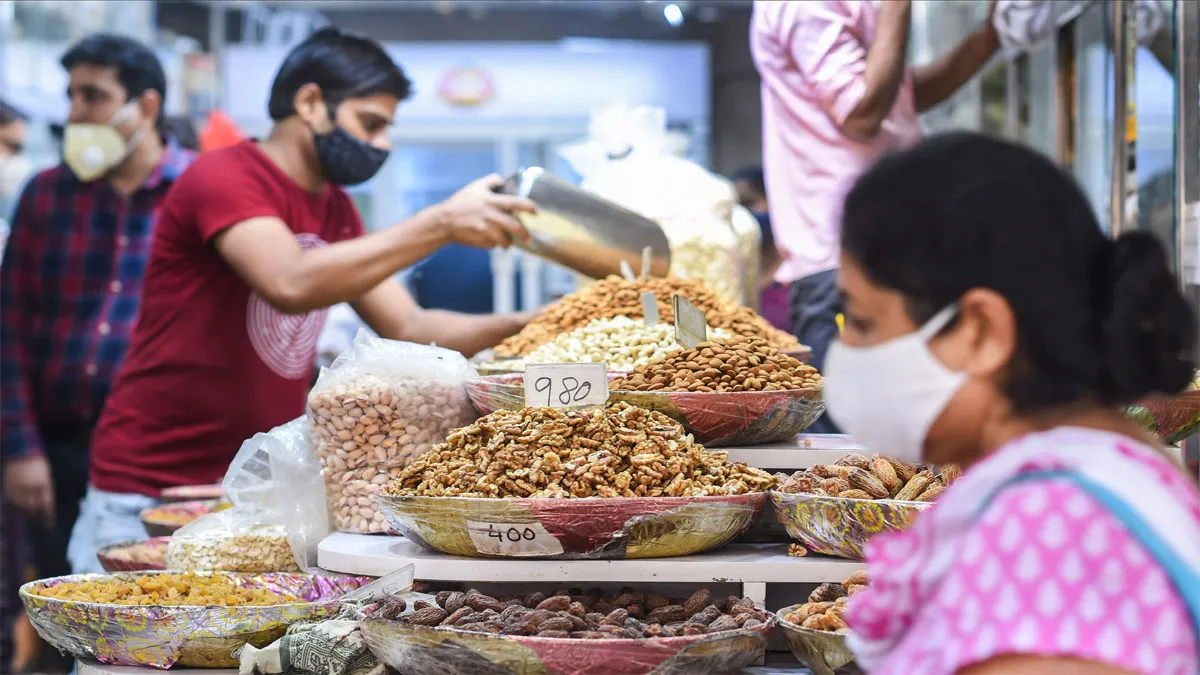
<point>513,539</point>
<point>566,385</point>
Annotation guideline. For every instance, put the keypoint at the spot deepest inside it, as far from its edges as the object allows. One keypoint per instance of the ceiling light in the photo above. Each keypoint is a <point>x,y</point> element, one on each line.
<point>673,14</point>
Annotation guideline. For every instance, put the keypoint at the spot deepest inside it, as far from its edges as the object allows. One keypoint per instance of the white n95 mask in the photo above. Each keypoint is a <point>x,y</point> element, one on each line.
<point>888,396</point>
<point>13,170</point>
<point>92,150</point>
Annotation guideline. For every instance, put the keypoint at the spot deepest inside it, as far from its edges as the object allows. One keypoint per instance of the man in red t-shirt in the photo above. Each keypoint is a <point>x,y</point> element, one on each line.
<point>253,244</point>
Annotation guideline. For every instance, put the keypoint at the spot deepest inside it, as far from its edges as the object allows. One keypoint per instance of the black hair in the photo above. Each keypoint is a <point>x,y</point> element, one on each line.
<point>138,68</point>
<point>184,133</point>
<point>343,64</point>
<point>753,176</point>
<point>1097,319</point>
<point>10,113</point>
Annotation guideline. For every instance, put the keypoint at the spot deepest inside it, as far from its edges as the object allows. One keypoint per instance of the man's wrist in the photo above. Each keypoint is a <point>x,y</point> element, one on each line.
<point>433,224</point>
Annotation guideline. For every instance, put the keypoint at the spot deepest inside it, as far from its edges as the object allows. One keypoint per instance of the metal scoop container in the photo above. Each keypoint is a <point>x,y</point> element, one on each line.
<point>583,232</point>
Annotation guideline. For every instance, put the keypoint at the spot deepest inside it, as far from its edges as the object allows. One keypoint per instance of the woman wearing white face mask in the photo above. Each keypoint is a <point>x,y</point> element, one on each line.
<point>14,167</point>
<point>990,323</point>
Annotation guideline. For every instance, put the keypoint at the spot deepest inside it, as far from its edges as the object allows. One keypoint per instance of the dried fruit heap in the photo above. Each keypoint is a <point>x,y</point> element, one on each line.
<point>619,451</point>
<point>735,364</point>
<point>826,606</point>
<point>857,477</point>
<point>615,296</point>
<point>629,614</point>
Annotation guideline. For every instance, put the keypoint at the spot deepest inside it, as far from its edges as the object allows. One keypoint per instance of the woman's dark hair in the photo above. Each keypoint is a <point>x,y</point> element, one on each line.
<point>138,68</point>
<point>1096,319</point>
<point>344,65</point>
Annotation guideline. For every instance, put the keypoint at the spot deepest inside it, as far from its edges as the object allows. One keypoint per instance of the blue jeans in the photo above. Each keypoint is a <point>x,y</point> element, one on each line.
<point>105,518</point>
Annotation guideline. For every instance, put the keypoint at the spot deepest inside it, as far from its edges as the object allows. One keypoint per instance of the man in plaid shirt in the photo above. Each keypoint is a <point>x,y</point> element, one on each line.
<point>71,280</point>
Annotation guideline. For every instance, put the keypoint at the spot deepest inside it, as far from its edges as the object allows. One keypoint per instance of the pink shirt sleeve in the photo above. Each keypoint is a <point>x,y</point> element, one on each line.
<point>1049,571</point>
<point>824,41</point>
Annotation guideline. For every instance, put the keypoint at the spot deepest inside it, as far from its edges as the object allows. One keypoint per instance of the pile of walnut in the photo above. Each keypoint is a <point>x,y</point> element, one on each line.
<point>618,451</point>
<point>616,296</point>
<point>737,364</point>
<point>857,477</point>
<point>826,606</point>
<point>629,614</point>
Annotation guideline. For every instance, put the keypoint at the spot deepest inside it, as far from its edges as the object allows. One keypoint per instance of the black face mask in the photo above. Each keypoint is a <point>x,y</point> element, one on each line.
<point>345,160</point>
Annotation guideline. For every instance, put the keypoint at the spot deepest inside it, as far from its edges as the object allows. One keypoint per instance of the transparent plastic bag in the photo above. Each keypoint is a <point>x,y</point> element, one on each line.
<point>278,515</point>
<point>382,404</point>
<point>631,159</point>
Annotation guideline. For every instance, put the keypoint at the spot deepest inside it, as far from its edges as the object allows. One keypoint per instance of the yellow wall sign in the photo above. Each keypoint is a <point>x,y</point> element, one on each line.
<point>467,87</point>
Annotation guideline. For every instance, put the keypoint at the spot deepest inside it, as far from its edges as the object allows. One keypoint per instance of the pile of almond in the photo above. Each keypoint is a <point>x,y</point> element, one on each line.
<point>617,296</point>
<point>735,364</point>
<point>856,476</point>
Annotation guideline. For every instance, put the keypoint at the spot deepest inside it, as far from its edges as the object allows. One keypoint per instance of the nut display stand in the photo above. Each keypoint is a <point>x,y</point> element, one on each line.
<point>801,452</point>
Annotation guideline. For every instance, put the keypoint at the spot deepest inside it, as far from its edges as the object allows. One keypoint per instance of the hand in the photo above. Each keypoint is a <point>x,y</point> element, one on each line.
<point>478,216</point>
<point>27,486</point>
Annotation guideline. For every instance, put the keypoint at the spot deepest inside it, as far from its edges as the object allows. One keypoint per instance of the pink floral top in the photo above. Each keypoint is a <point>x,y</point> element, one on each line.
<point>1045,570</point>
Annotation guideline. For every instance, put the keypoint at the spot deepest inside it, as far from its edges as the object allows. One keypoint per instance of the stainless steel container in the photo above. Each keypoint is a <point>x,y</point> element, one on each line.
<point>583,232</point>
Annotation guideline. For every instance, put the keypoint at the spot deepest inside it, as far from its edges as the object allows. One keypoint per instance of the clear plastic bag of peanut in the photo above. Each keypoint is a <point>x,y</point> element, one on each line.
<point>630,158</point>
<point>382,404</point>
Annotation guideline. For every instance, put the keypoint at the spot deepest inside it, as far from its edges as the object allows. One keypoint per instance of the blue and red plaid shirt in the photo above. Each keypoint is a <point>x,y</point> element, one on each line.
<point>69,289</point>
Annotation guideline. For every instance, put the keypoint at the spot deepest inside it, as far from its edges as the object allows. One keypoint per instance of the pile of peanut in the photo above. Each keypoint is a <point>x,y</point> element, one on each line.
<point>616,296</point>
<point>618,451</point>
<point>367,431</point>
<point>857,477</point>
<point>620,342</point>
<point>258,548</point>
<point>734,364</point>
<point>826,606</point>
<point>593,615</point>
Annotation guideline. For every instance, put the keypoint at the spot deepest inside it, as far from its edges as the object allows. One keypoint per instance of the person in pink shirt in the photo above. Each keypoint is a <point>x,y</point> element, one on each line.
<point>837,93</point>
<point>991,324</point>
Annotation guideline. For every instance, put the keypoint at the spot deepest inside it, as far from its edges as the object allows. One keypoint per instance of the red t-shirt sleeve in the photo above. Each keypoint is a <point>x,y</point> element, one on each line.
<point>219,193</point>
<point>346,223</point>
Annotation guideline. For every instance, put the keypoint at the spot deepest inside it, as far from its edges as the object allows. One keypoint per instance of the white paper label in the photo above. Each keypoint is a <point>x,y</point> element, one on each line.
<point>650,308</point>
<point>513,539</point>
<point>566,385</point>
<point>691,328</point>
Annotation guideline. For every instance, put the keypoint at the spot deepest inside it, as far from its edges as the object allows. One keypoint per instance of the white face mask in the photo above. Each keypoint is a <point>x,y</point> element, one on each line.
<point>889,395</point>
<point>92,150</point>
<point>13,170</point>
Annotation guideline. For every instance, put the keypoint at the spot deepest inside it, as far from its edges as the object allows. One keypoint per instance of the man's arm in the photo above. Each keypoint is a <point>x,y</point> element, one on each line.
<point>855,83</point>
<point>392,313</point>
<point>938,81</point>
<point>26,473</point>
<point>265,254</point>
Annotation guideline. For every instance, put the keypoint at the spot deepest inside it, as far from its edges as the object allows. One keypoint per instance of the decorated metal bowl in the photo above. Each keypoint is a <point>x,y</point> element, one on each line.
<point>162,636</point>
<point>1173,418</point>
<point>734,418</point>
<point>821,651</point>
<point>134,556</point>
<point>440,651</point>
<point>594,528</point>
<point>840,526</point>
<point>163,521</point>
<point>191,493</point>
<point>716,419</point>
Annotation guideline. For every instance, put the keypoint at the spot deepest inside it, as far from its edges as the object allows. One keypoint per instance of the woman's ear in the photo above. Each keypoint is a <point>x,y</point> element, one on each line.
<point>989,333</point>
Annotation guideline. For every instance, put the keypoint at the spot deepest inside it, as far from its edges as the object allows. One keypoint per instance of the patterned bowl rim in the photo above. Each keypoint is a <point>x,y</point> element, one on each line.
<point>204,506</point>
<point>760,494</point>
<point>677,641</point>
<point>214,489</point>
<point>154,541</point>
<point>920,506</point>
<point>26,591</point>
<point>790,393</point>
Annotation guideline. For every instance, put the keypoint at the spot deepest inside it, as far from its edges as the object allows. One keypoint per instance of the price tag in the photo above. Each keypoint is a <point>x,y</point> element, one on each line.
<point>691,328</point>
<point>513,539</point>
<point>566,385</point>
<point>650,308</point>
<point>627,271</point>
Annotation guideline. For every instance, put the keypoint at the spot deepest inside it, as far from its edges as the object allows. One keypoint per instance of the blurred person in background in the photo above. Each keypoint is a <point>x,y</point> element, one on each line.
<point>71,278</point>
<point>183,132</point>
<point>837,94</point>
<point>255,243</point>
<point>14,126</point>
<point>773,296</point>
